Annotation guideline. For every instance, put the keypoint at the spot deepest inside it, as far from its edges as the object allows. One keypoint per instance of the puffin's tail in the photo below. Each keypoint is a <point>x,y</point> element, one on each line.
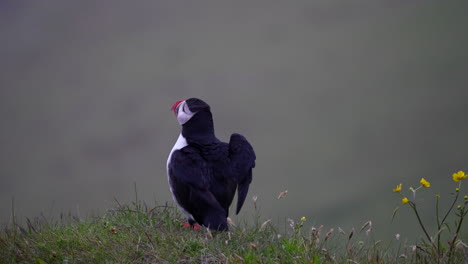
<point>243,160</point>
<point>242,190</point>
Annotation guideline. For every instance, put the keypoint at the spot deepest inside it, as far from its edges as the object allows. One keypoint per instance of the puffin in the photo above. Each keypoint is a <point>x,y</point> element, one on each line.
<point>204,173</point>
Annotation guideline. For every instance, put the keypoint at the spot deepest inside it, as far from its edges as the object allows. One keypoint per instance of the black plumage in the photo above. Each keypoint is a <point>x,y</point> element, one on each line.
<point>204,173</point>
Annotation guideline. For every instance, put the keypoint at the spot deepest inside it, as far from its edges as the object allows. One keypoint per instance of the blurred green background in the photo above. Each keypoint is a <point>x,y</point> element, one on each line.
<point>341,101</point>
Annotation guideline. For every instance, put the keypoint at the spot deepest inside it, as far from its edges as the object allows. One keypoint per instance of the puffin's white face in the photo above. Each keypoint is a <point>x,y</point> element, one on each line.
<point>182,111</point>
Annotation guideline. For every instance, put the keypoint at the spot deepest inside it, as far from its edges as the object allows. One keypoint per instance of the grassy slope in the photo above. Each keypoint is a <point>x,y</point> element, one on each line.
<point>137,234</point>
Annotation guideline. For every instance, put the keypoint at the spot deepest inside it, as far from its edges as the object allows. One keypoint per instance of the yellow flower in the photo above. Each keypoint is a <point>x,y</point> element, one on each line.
<point>459,176</point>
<point>425,183</point>
<point>398,188</point>
<point>303,219</point>
<point>404,200</point>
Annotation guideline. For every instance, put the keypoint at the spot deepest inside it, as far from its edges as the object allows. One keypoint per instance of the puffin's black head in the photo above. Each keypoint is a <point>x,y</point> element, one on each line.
<point>197,105</point>
<point>197,122</point>
<point>185,110</point>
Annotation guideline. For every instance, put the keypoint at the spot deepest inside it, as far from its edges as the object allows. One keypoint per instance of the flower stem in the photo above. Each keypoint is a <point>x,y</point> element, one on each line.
<point>413,205</point>
<point>451,207</point>
<point>462,215</point>
<point>452,245</point>
<point>438,224</point>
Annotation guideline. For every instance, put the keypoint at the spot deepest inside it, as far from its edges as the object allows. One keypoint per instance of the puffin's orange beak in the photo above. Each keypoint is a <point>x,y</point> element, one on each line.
<point>174,107</point>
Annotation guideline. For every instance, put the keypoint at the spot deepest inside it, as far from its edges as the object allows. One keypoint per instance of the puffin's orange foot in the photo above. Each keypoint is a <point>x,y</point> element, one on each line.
<point>187,225</point>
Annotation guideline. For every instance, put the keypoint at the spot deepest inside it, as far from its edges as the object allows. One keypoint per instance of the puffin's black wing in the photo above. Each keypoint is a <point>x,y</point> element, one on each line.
<point>242,158</point>
<point>189,179</point>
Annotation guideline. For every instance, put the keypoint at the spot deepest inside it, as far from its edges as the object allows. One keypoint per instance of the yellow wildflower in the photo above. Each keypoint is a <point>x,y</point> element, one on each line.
<point>459,176</point>
<point>303,219</point>
<point>425,183</point>
<point>404,200</point>
<point>398,188</point>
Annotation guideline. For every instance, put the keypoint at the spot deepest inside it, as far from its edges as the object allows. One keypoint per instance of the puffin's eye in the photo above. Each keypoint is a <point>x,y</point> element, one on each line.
<point>184,108</point>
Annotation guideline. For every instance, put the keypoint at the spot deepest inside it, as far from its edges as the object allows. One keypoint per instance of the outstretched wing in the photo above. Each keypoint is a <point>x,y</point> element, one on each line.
<point>242,158</point>
<point>189,180</point>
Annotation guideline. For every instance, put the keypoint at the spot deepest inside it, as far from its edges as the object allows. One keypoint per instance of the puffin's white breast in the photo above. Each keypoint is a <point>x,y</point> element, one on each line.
<point>180,143</point>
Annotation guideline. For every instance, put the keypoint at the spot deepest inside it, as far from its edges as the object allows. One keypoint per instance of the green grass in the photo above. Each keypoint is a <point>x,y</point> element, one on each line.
<point>138,234</point>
